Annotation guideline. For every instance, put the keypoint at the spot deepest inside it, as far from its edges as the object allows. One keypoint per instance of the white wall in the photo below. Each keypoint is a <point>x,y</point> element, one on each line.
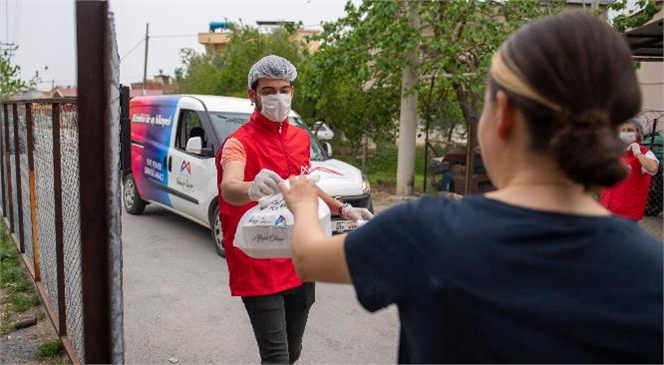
<point>651,79</point>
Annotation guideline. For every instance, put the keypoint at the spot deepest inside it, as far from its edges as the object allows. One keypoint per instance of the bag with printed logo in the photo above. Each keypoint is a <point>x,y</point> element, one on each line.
<point>265,230</point>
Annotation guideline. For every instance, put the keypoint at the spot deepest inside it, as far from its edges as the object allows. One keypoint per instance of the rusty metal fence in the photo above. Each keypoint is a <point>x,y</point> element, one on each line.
<point>59,175</point>
<point>40,143</point>
<point>652,122</point>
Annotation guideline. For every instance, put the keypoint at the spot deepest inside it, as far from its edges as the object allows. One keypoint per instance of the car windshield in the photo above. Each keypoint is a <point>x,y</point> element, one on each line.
<point>226,123</point>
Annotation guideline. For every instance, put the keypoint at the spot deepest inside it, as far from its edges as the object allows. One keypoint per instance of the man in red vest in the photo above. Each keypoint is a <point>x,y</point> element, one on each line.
<point>250,165</point>
<point>628,198</point>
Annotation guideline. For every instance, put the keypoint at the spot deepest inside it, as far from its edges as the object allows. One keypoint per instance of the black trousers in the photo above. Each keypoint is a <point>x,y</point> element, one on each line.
<point>278,321</point>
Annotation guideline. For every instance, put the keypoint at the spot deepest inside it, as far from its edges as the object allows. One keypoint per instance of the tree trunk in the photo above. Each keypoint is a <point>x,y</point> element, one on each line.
<point>408,113</point>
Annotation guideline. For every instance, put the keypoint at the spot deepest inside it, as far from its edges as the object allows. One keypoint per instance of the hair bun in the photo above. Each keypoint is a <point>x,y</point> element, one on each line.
<point>602,165</point>
<point>592,118</point>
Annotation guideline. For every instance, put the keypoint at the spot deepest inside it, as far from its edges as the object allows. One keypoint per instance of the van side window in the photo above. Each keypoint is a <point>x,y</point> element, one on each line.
<point>226,123</point>
<point>189,125</point>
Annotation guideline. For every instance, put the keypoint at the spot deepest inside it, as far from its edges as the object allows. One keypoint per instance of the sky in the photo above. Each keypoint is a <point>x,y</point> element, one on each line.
<point>45,31</point>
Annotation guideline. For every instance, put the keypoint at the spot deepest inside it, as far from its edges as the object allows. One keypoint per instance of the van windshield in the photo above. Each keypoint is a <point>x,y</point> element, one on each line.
<point>226,123</point>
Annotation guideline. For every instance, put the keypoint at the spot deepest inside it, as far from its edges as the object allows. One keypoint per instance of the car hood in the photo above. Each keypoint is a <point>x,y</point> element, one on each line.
<point>337,178</point>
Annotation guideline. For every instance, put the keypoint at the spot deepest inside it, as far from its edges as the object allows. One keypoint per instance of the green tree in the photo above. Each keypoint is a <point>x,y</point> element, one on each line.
<point>628,18</point>
<point>342,84</point>
<point>199,73</point>
<point>10,79</point>
<point>226,73</point>
<point>355,79</point>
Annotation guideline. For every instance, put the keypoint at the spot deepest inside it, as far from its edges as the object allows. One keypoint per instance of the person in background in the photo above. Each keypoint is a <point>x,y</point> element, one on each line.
<point>536,271</point>
<point>250,165</point>
<point>628,198</point>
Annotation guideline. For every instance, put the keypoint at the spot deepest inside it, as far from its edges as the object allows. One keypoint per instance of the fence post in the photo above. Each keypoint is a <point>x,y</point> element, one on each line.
<point>91,39</point>
<point>652,134</point>
<point>8,165</point>
<point>19,187</point>
<point>2,151</point>
<point>59,233</point>
<point>33,192</point>
<point>125,132</point>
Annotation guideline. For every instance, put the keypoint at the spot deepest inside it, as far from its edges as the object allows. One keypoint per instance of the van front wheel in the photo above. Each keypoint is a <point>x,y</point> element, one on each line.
<point>217,234</point>
<point>132,201</point>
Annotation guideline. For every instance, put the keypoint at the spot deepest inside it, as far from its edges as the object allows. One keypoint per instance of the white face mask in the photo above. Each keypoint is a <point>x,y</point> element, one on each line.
<point>276,107</point>
<point>628,137</point>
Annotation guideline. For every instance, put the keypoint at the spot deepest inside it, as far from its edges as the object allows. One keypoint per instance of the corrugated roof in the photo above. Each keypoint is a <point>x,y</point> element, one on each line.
<point>646,41</point>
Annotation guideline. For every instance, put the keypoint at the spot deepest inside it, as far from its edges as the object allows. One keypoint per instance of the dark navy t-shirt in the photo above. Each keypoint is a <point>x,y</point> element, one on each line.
<point>480,281</point>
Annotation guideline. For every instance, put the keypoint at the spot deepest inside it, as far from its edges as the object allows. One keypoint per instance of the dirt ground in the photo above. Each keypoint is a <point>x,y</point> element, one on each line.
<point>20,346</point>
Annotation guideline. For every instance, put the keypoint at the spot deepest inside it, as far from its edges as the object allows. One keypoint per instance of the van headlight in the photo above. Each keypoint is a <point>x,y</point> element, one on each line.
<point>366,188</point>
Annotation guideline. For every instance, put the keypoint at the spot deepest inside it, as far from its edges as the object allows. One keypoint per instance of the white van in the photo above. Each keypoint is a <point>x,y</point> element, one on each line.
<point>174,139</point>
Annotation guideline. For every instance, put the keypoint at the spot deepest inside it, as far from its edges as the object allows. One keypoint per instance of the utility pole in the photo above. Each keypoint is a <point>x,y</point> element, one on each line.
<point>408,111</point>
<point>145,61</point>
<point>594,5</point>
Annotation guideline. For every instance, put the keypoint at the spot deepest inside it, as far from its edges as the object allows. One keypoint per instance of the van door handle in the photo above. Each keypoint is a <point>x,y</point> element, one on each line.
<point>170,163</point>
<point>168,166</point>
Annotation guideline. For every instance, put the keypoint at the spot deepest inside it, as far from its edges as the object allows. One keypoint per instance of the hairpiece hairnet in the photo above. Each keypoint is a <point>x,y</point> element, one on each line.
<point>639,128</point>
<point>272,67</point>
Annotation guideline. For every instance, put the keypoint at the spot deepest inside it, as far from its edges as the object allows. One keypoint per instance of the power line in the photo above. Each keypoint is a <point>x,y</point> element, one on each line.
<point>174,36</point>
<point>132,49</point>
<point>155,36</point>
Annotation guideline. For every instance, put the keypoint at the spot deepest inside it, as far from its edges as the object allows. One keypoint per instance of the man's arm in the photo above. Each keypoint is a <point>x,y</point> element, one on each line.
<point>334,204</point>
<point>234,189</point>
<point>346,211</point>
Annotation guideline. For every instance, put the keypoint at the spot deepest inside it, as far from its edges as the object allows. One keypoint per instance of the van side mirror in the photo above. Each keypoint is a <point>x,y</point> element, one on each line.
<point>328,148</point>
<point>194,145</point>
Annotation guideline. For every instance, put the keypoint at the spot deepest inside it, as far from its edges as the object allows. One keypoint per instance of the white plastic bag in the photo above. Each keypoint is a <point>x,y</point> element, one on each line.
<point>265,230</point>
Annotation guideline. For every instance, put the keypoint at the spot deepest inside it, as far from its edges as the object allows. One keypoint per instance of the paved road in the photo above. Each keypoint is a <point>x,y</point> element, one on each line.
<point>177,304</point>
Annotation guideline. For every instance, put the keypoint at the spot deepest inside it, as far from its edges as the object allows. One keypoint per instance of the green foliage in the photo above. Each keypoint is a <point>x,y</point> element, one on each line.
<point>199,75</point>
<point>9,261</point>
<point>457,47</point>
<point>226,73</point>
<point>23,302</point>
<point>381,167</point>
<point>353,82</point>
<point>10,79</point>
<point>21,293</point>
<point>50,350</point>
<point>640,13</point>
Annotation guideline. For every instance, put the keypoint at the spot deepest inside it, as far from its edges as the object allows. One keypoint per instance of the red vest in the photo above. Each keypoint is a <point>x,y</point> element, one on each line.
<point>284,149</point>
<point>628,198</point>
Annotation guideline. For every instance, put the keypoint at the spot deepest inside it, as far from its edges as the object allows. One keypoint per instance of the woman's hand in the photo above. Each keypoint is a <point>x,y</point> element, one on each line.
<point>301,196</point>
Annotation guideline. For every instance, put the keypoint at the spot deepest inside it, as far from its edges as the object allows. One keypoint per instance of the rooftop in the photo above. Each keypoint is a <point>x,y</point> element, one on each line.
<point>646,41</point>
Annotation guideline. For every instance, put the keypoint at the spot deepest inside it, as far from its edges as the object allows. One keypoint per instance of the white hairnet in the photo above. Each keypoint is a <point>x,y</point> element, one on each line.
<point>639,128</point>
<point>272,67</point>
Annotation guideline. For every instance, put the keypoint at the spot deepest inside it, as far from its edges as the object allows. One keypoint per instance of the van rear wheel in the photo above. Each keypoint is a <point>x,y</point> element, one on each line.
<point>132,201</point>
<point>217,234</point>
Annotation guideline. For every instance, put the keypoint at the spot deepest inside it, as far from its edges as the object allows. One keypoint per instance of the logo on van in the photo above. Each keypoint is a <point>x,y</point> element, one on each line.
<point>186,165</point>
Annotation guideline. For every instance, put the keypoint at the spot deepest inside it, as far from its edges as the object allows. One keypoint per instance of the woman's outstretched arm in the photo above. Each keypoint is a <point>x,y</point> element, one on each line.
<point>315,256</point>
